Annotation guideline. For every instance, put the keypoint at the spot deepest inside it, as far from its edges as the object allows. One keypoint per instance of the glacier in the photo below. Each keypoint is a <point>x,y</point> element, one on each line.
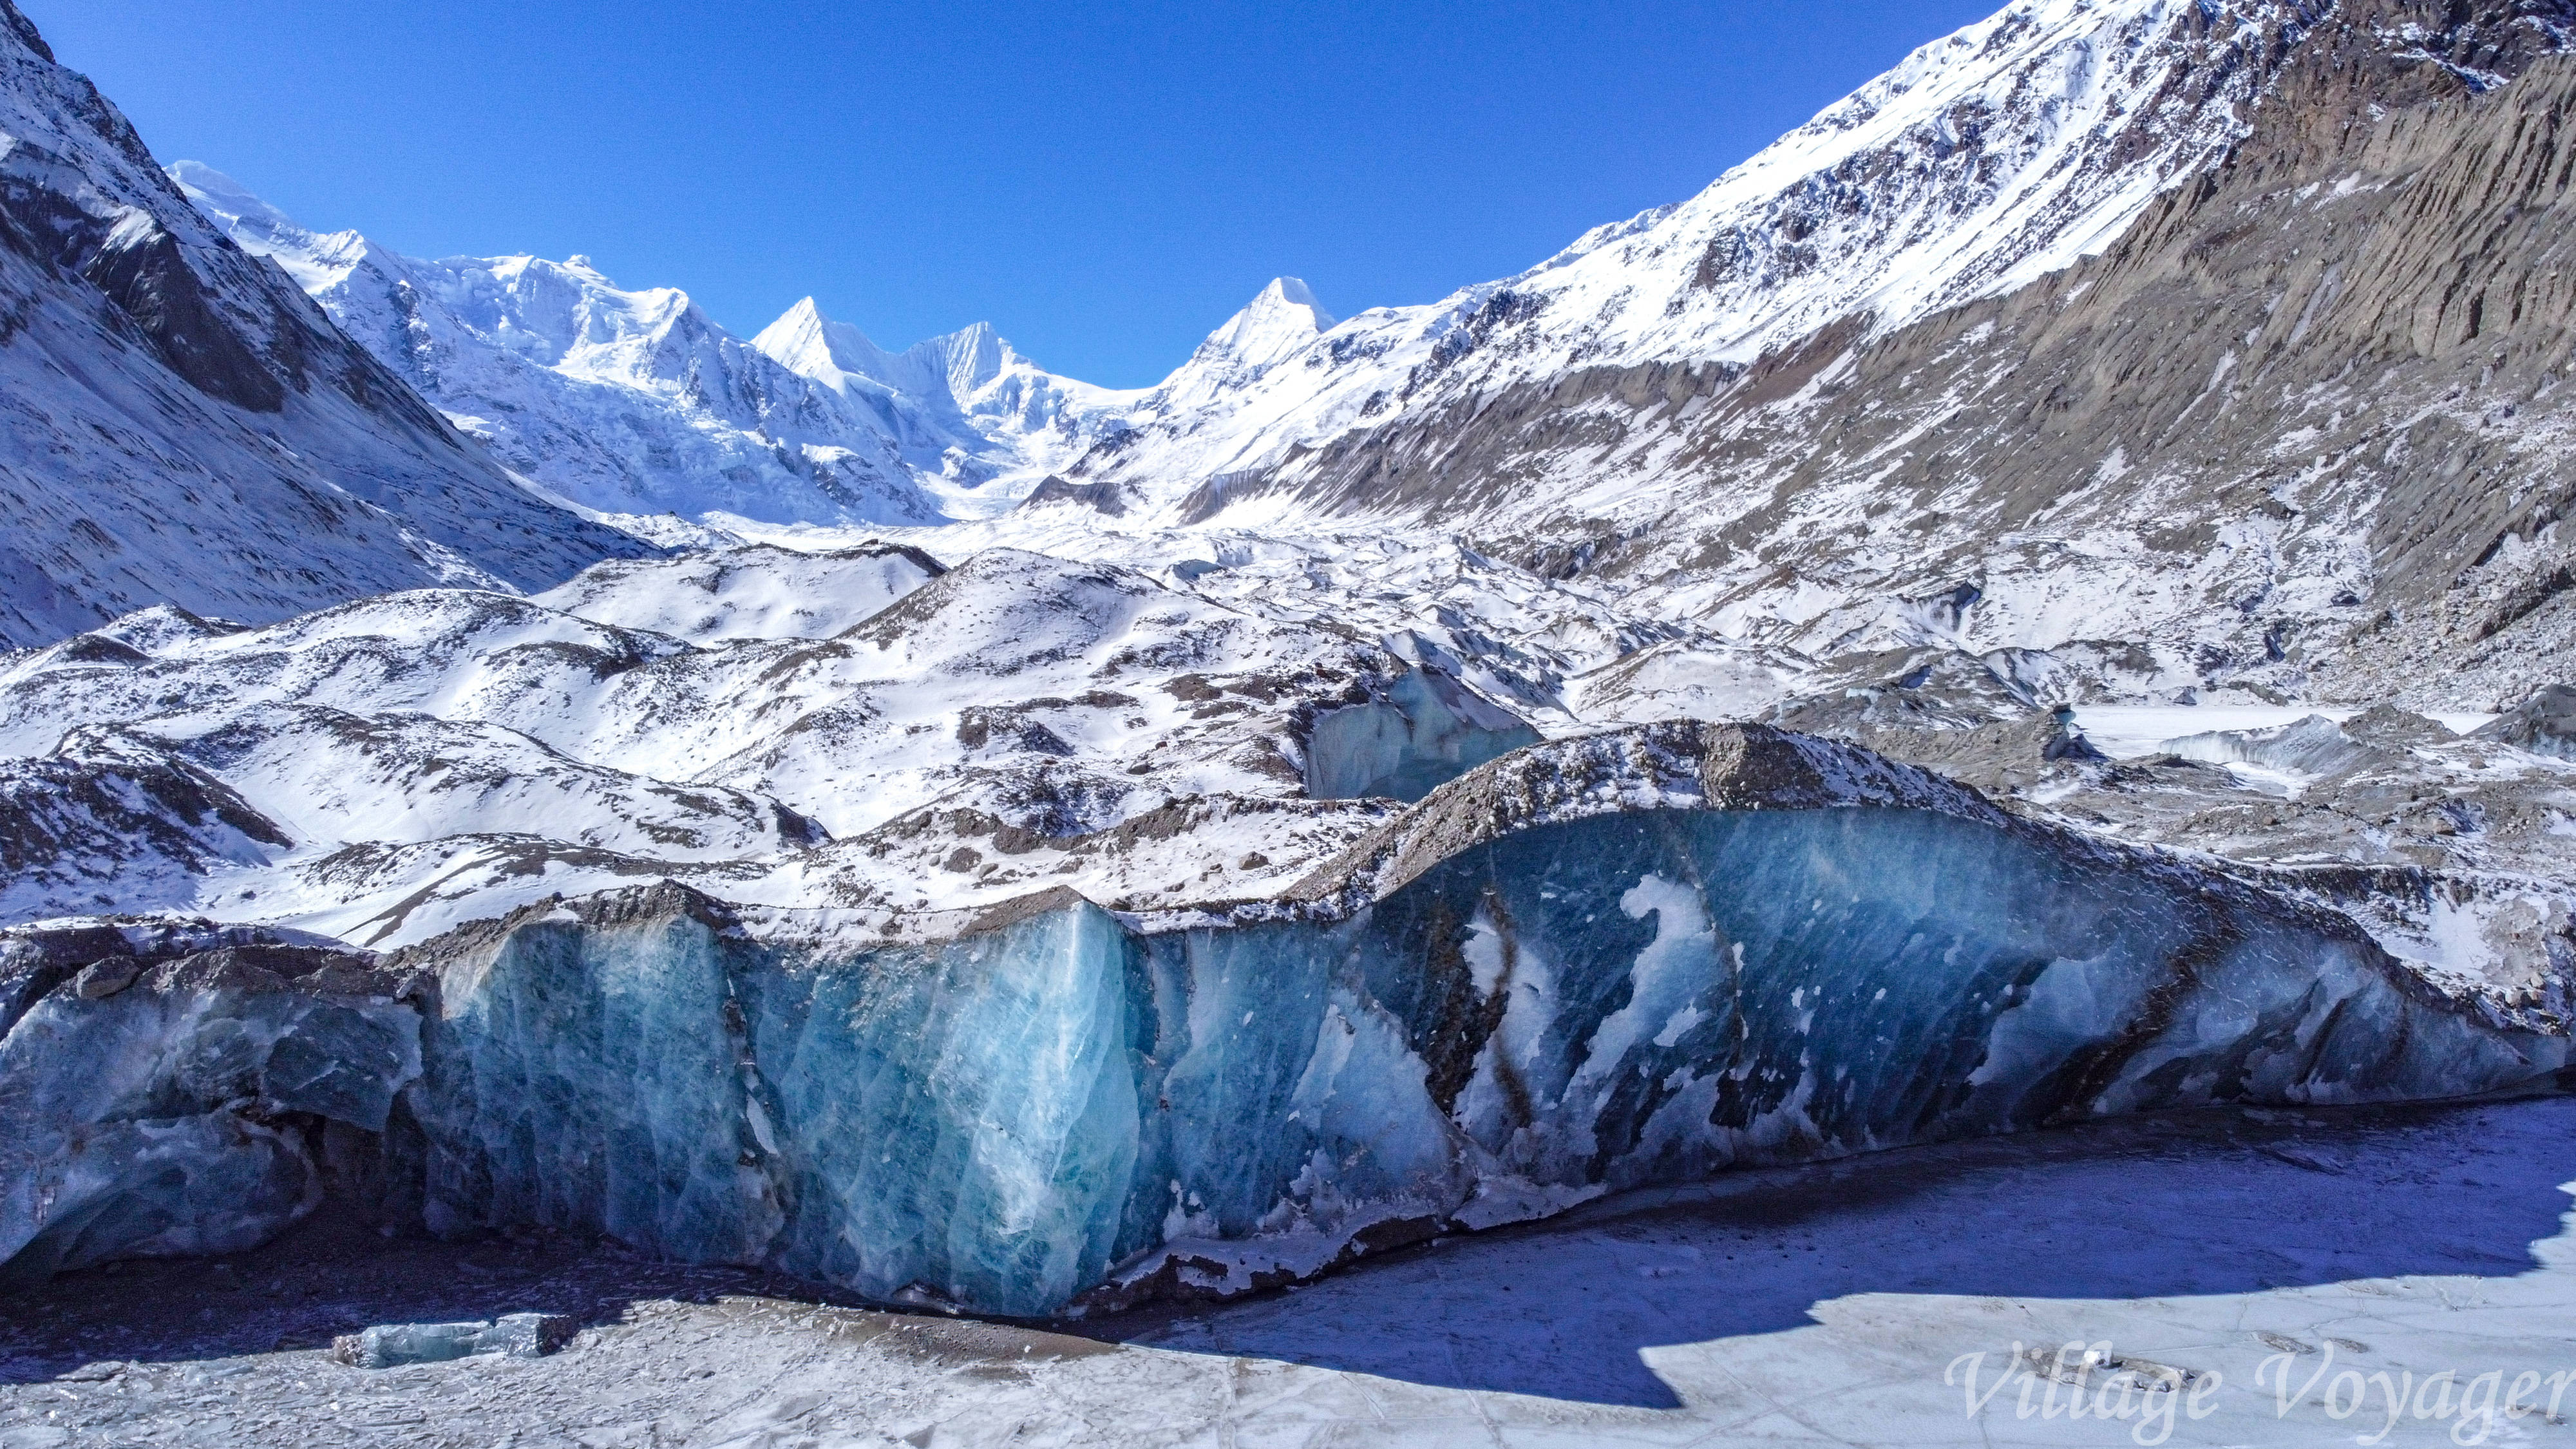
<point>185,1089</point>
<point>1587,966</point>
<point>1590,966</point>
<point>1201,907</point>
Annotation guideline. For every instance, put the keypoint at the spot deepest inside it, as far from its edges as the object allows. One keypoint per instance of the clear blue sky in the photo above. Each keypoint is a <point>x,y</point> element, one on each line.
<point>1104,182</point>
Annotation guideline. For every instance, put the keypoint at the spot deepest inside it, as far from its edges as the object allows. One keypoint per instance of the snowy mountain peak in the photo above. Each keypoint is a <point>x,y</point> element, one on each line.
<point>974,357</point>
<point>1282,319</point>
<point>636,402</point>
<point>1293,292</point>
<point>946,370</point>
<point>183,427</point>
<point>806,342</point>
<point>223,199</point>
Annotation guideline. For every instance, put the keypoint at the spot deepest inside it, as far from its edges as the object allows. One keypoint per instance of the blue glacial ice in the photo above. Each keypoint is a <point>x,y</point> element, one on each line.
<point>1425,731</point>
<point>398,1345</point>
<point>174,1093</point>
<point>1621,961</point>
<point>1633,959</point>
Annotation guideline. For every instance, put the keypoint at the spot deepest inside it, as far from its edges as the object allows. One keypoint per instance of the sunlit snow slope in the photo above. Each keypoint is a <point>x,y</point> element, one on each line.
<point>637,402</point>
<point>1985,159</point>
<point>179,424</point>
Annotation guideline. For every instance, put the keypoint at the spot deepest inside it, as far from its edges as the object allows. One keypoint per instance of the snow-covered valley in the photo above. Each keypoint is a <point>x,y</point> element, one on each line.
<point>2040,601</point>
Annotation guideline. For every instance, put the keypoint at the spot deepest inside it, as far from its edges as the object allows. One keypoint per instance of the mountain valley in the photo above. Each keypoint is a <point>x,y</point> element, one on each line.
<point>2047,595</point>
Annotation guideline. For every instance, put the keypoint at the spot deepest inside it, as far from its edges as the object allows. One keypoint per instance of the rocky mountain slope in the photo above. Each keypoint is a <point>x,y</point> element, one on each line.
<point>1984,161</point>
<point>179,424</point>
<point>638,403</point>
<point>2296,429</point>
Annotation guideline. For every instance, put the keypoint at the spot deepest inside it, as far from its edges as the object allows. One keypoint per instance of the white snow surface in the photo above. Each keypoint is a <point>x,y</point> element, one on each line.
<point>854,732</point>
<point>756,591</point>
<point>445,755</point>
<point>638,402</point>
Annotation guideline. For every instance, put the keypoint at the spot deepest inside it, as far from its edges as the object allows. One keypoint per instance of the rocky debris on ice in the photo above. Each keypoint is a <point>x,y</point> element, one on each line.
<point>80,833</point>
<point>388,769</point>
<point>2544,724</point>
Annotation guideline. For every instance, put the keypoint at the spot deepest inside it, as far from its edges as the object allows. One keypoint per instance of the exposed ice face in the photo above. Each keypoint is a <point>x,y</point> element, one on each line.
<point>1427,732</point>
<point>398,1345</point>
<point>1601,996</point>
<point>965,1119</point>
<point>595,1077</point>
<point>180,1106</point>
<point>2545,724</point>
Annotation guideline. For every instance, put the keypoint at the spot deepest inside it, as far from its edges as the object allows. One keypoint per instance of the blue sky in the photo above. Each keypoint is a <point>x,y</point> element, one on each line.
<point>1105,183</point>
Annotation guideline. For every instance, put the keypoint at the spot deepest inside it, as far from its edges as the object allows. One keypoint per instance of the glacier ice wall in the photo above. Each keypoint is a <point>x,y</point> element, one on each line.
<point>1720,947</point>
<point>1587,966</point>
<point>164,1097</point>
<point>591,1070</point>
<point>1425,732</point>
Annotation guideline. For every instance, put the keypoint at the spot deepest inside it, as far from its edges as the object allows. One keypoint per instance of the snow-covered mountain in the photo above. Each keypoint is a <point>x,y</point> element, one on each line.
<point>1988,158</point>
<point>1985,159</point>
<point>1007,421</point>
<point>2148,335</point>
<point>179,424</point>
<point>1401,773</point>
<point>635,402</point>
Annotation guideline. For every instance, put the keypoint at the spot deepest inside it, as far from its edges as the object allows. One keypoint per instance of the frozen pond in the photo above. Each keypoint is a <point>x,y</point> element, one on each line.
<point>1821,1306</point>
